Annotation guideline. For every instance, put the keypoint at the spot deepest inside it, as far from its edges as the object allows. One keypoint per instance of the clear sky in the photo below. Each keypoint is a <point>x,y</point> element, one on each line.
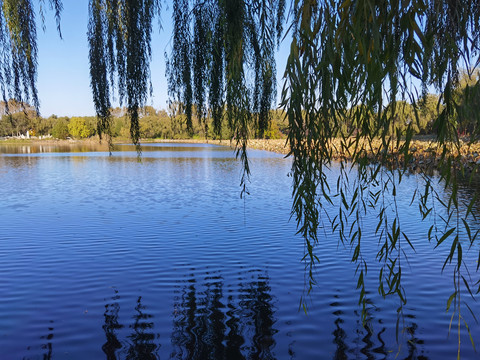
<point>63,68</point>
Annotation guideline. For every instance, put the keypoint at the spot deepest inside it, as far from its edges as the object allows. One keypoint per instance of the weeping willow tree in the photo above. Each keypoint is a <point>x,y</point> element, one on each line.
<point>222,65</point>
<point>18,48</point>
<point>119,36</point>
<point>355,62</point>
<point>351,62</point>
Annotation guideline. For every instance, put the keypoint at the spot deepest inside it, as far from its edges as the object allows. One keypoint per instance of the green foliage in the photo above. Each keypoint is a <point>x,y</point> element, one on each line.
<point>19,118</point>
<point>353,71</point>
<point>279,117</point>
<point>18,41</point>
<point>215,46</point>
<point>429,108</point>
<point>467,103</point>
<point>18,35</point>
<point>43,126</point>
<point>153,126</point>
<point>357,74</point>
<point>80,127</point>
<point>6,126</point>
<point>60,128</point>
<point>273,131</point>
<point>119,35</point>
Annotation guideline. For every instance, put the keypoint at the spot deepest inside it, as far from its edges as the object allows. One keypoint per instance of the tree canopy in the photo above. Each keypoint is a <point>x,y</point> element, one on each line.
<point>351,61</point>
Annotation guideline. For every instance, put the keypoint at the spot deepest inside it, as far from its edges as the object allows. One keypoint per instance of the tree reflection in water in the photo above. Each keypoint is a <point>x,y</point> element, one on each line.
<point>142,341</point>
<point>207,324</point>
<point>365,334</point>
<point>412,343</point>
<point>240,327</point>
<point>142,338</point>
<point>339,335</point>
<point>47,347</point>
<point>111,326</point>
<point>218,319</point>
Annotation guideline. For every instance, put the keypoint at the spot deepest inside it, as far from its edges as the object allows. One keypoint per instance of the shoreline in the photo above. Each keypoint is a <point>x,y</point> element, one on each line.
<point>425,151</point>
<point>274,145</point>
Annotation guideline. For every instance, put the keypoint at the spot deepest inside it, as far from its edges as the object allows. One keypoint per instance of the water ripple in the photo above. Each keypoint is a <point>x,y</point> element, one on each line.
<point>110,258</point>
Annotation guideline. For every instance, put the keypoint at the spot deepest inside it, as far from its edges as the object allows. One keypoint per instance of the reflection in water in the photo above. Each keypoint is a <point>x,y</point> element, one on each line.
<point>230,313</point>
<point>381,349</point>
<point>210,321</point>
<point>47,347</point>
<point>240,327</point>
<point>111,326</point>
<point>142,339</point>
<point>86,147</point>
<point>198,322</point>
<point>52,148</point>
<point>366,335</point>
<point>213,320</point>
<point>257,302</point>
<point>365,331</point>
<point>413,342</point>
<point>339,334</point>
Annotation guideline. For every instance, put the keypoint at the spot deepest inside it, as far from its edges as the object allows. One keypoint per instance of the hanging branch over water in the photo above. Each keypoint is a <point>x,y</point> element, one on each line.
<point>355,62</point>
<point>119,35</point>
<point>18,49</point>
<point>223,56</point>
<point>352,65</point>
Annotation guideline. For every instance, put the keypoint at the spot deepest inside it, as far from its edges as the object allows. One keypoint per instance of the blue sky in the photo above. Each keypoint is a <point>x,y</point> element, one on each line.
<point>63,69</point>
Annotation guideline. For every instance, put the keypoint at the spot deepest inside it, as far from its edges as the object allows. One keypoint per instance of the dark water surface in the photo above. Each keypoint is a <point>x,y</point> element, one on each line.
<point>110,258</point>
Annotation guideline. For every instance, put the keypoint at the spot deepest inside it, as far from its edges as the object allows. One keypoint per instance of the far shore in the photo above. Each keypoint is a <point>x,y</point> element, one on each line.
<point>274,145</point>
<point>425,151</point>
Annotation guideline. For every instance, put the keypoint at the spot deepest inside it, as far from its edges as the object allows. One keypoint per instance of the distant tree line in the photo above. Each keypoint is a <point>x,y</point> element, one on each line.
<point>17,118</point>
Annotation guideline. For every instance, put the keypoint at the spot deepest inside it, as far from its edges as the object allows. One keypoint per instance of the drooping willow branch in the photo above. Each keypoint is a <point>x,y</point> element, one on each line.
<point>18,49</point>
<point>352,65</point>
<point>222,65</point>
<point>119,35</point>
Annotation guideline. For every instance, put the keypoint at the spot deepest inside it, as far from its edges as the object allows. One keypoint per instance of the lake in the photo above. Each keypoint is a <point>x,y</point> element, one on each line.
<point>106,257</point>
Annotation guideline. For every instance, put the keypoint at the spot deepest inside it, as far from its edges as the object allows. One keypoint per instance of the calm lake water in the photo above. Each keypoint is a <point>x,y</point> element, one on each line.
<point>105,257</point>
